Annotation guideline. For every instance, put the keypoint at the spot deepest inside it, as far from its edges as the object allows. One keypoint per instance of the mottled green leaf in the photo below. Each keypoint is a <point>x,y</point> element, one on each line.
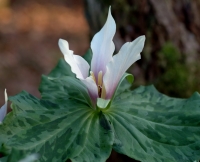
<point>60,126</point>
<point>4,159</point>
<point>124,84</point>
<point>20,156</point>
<point>63,124</point>
<point>152,127</point>
<point>60,89</point>
<point>98,143</point>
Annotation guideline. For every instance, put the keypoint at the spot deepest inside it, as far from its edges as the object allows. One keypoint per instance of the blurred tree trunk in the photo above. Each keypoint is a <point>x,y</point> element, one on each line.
<point>180,22</point>
<point>164,21</point>
<point>177,21</point>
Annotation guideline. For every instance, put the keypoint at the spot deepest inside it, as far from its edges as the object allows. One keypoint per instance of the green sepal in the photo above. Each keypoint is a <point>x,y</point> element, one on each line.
<point>102,103</point>
<point>156,127</point>
<point>124,84</point>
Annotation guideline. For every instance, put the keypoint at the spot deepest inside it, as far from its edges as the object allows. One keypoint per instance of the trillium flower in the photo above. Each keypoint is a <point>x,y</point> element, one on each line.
<point>106,70</point>
<point>3,109</point>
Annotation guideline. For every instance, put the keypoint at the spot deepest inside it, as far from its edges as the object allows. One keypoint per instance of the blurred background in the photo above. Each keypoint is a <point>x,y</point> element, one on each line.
<point>29,32</point>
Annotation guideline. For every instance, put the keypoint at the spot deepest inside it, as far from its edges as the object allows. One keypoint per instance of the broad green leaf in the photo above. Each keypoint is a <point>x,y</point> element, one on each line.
<point>57,132</point>
<point>59,89</point>
<point>124,84</point>
<point>19,156</point>
<point>4,159</point>
<point>152,127</point>
<point>99,142</point>
<point>61,69</point>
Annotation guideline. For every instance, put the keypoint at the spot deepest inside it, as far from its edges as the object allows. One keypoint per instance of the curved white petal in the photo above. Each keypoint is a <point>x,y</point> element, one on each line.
<point>78,65</point>
<point>83,65</point>
<point>102,46</point>
<point>92,88</point>
<point>3,109</point>
<point>128,54</point>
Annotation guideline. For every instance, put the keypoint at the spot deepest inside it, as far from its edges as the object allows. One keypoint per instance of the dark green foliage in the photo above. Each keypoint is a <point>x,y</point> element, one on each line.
<point>156,127</point>
<point>61,69</point>
<point>176,79</point>
<point>142,124</point>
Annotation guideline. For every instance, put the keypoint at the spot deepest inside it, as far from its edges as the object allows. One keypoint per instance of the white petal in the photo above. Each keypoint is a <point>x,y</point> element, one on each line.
<point>78,65</point>
<point>3,109</point>
<point>83,65</point>
<point>92,89</point>
<point>102,46</point>
<point>128,54</point>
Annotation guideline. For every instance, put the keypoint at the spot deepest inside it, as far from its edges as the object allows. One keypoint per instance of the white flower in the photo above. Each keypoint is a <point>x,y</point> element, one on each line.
<point>3,109</point>
<point>106,70</point>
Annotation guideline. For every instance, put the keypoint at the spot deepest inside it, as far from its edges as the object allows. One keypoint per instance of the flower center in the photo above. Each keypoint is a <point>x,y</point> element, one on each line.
<point>99,83</point>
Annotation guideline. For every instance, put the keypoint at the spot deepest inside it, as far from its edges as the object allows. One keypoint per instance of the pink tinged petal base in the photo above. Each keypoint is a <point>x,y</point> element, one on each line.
<point>3,109</point>
<point>92,89</point>
<point>103,47</point>
<point>128,54</point>
<point>78,65</point>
